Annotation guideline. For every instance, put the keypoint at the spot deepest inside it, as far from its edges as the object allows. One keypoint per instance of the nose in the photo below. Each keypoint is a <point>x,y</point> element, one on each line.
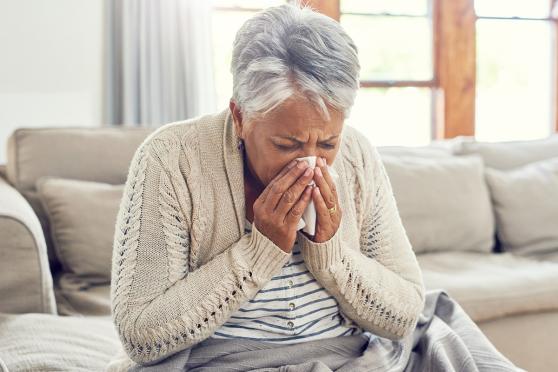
<point>311,159</point>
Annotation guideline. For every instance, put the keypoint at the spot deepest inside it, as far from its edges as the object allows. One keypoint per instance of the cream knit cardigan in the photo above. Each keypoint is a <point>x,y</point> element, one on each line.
<point>182,264</point>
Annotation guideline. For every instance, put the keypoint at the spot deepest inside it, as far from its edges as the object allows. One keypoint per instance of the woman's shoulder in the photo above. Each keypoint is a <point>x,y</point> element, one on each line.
<point>357,149</point>
<point>183,138</point>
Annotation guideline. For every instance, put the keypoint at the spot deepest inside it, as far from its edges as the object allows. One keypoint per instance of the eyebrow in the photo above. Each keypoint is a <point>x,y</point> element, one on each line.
<point>294,139</point>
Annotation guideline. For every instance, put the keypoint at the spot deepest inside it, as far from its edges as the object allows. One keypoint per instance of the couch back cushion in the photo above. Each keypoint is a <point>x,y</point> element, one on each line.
<point>82,217</point>
<point>431,151</point>
<point>444,202</point>
<point>510,154</point>
<point>88,154</point>
<point>526,206</point>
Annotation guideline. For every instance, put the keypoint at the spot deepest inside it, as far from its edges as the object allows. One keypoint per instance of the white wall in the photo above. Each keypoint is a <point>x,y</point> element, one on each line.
<point>51,64</point>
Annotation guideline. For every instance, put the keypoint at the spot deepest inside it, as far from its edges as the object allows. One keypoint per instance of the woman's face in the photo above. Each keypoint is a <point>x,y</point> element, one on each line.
<point>293,130</point>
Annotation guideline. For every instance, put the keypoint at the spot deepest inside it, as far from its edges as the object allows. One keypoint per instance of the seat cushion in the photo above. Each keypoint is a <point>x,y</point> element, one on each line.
<point>546,256</point>
<point>490,286</point>
<point>78,298</point>
<point>538,329</point>
<point>43,342</point>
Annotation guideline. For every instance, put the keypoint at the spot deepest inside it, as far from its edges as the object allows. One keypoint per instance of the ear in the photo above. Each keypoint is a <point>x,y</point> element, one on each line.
<point>237,117</point>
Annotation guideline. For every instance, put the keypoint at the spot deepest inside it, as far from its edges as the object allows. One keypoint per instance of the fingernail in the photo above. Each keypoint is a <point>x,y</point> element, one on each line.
<point>303,164</point>
<point>292,164</point>
<point>308,171</point>
<point>318,171</point>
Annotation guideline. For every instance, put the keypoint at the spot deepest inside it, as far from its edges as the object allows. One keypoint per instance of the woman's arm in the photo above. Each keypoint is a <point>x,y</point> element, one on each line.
<point>158,307</point>
<point>379,285</point>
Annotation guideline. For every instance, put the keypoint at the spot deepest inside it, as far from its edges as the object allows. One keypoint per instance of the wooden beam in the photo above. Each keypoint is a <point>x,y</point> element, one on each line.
<point>331,8</point>
<point>455,65</point>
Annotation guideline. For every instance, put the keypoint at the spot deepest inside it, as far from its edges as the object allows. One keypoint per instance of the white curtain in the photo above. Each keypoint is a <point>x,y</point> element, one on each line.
<point>159,61</point>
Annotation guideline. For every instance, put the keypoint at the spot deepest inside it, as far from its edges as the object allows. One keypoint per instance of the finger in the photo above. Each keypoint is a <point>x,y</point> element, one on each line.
<point>329,179</point>
<point>283,184</point>
<point>283,171</point>
<point>292,194</point>
<point>321,208</point>
<point>295,213</point>
<point>325,188</point>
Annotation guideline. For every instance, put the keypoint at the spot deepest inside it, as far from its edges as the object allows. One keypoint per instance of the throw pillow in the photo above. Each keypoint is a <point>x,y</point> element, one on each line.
<point>443,202</point>
<point>526,205</point>
<point>82,218</point>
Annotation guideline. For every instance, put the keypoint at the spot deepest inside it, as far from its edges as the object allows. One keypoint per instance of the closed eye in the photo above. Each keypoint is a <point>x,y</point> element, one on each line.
<point>282,147</point>
<point>290,148</point>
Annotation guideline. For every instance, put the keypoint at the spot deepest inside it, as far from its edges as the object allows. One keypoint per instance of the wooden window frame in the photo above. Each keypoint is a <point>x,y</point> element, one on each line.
<point>453,82</point>
<point>454,79</point>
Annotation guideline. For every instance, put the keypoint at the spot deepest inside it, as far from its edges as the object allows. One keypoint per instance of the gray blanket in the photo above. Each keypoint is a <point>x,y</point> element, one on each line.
<point>445,339</point>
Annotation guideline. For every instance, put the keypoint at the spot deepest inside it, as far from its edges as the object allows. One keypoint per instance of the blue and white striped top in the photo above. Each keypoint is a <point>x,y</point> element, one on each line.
<point>292,307</point>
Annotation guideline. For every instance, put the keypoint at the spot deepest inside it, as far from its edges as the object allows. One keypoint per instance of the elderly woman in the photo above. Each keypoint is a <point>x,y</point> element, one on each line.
<point>208,243</point>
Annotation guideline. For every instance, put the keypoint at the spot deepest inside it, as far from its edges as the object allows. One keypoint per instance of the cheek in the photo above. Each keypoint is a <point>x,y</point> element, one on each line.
<point>330,156</point>
<point>272,170</point>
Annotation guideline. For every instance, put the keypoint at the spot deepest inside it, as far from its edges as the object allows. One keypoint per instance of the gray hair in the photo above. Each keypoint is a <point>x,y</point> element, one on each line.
<point>291,50</point>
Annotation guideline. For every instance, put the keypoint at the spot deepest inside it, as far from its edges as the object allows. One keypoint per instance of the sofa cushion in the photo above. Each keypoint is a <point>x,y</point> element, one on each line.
<point>41,342</point>
<point>77,298</point>
<point>82,217</point>
<point>100,154</point>
<point>538,328</point>
<point>418,151</point>
<point>436,148</point>
<point>510,154</point>
<point>526,205</point>
<point>490,286</point>
<point>89,154</point>
<point>443,202</point>
<point>551,256</point>
<point>25,277</point>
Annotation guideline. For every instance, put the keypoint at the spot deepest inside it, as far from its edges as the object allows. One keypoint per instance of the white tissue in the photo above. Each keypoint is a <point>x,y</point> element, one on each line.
<point>308,221</point>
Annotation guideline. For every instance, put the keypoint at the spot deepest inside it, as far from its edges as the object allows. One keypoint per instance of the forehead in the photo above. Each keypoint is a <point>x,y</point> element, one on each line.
<point>297,116</point>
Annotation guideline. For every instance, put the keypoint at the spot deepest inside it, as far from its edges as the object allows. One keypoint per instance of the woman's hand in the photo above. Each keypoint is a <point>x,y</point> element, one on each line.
<point>279,208</point>
<point>325,198</point>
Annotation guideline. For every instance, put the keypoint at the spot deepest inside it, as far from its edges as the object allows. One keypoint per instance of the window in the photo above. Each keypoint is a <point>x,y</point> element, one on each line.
<point>227,17</point>
<point>433,69</point>
<point>515,80</point>
<point>394,105</point>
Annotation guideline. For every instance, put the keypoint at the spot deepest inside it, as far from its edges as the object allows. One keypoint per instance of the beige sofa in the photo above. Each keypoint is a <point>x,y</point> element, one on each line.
<point>54,317</point>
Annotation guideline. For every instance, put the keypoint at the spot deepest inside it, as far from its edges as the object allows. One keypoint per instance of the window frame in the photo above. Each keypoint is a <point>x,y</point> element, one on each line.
<point>453,82</point>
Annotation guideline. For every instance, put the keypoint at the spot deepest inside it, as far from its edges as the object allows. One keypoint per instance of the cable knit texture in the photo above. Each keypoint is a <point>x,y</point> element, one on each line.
<point>182,263</point>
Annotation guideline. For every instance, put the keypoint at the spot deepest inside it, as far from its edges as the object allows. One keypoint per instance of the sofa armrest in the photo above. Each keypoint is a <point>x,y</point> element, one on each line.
<point>25,278</point>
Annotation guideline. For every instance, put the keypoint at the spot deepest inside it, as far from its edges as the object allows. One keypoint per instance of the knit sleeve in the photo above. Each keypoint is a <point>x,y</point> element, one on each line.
<point>380,284</point>
<point>159,306</point>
